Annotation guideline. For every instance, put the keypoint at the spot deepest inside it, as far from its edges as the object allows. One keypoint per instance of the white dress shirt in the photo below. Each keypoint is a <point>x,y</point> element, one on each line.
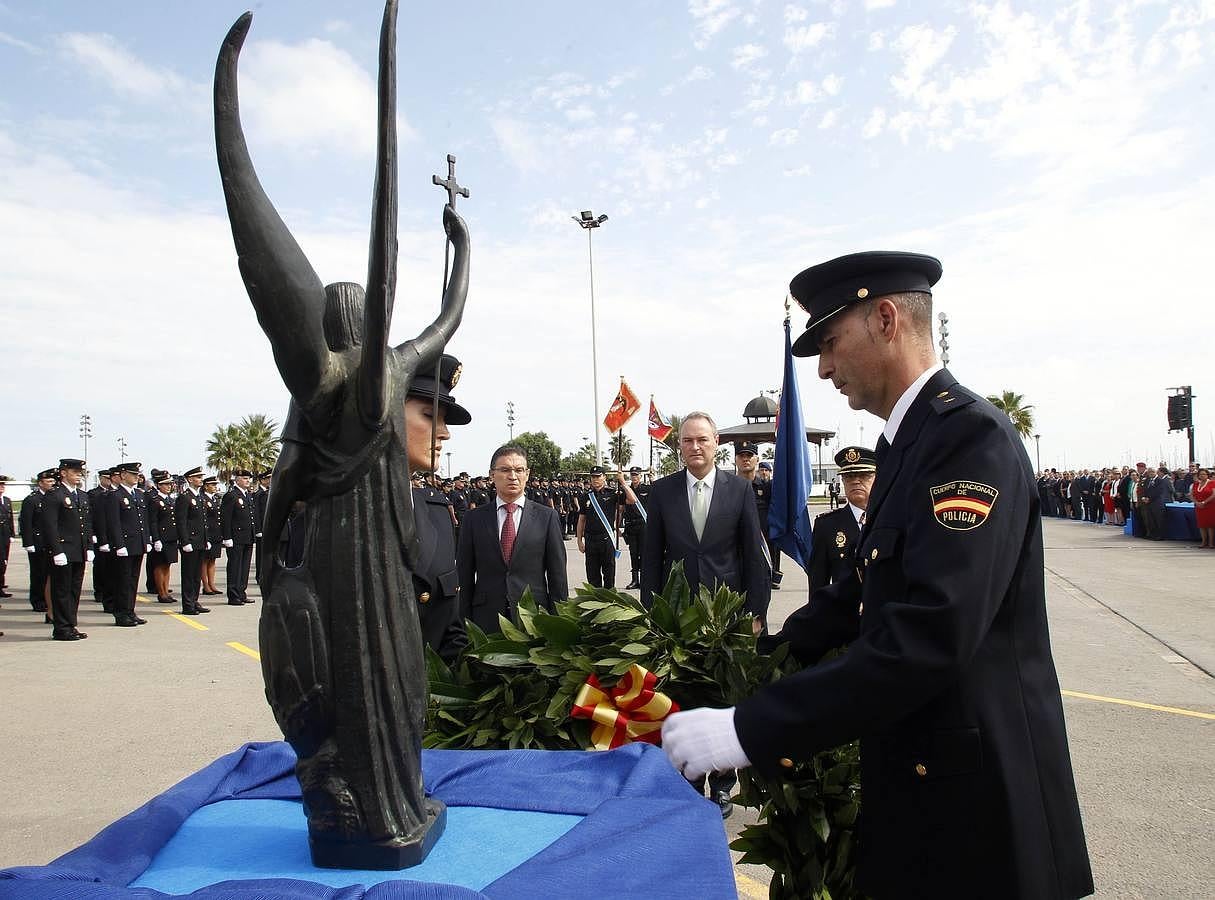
<point>709,481</point>
<point>518,513</point>
<point>905,401</point>
<point>857,512</point>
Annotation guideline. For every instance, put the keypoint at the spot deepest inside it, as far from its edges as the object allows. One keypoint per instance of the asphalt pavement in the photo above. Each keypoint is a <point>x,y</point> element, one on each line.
<point>93,729</point>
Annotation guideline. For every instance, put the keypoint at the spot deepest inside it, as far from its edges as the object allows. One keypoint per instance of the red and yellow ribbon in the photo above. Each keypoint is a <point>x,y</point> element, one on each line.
<point>631,711</point>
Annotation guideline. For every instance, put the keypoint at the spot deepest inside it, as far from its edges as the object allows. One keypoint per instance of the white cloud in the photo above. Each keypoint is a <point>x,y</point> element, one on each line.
<point>802,93</point>
<point>805,37</point>
<point>19,44</point>
<point>794,14</point>
<point>829,119</point>
<point>102,55</point>
<point>921,48</point>
<point>710,17</point>
<point>879,4</point>
<point>336,26</point>
<point>580,114</point>
<point>310,95</point>
<point>697,73</point>
<point>832,84</point>
<point>521,147</point>
<point>785,137</point>
<point>877,40</point>
<point>747,55</point>
<point>799,172</point>
<point>873,127</point>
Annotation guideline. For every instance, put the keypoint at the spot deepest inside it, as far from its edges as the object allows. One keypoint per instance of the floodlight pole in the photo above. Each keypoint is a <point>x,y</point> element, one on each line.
<point>588,221</point>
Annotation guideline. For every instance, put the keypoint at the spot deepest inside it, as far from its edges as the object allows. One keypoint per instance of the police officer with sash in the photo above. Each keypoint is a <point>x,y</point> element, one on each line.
<point>634,524</point>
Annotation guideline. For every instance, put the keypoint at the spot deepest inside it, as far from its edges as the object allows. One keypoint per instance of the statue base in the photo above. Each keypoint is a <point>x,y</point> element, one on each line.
<point>386,855</point>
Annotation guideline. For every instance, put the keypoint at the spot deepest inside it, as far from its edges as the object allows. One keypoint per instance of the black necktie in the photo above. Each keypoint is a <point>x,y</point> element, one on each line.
<point>883,447</point>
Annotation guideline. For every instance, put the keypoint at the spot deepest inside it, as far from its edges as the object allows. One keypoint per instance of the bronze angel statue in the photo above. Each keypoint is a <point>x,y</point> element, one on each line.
<point>340,644</point>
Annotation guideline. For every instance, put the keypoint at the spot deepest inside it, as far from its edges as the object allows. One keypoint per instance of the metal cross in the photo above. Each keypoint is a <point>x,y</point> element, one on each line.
<point>449,183</point>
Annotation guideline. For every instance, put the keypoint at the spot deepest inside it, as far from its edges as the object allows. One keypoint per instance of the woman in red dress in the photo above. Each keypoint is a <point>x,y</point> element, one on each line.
<point>1107,497</point>
<point>1204,507</point>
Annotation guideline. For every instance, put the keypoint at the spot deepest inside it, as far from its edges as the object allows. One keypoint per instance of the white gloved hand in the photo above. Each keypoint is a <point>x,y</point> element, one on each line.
<point>122,551</point>
<point>259,534</point>
<point>104,548</point>
<point>147,548</point>
<point>30,549</point>
<point>59,559</point>
<point>157,546</point>
<point>94,539</point>
<point>700,741</point>
<point>228,542</point>
<point>88,555</point>
<point>188,548</point>
<point>208,545</point>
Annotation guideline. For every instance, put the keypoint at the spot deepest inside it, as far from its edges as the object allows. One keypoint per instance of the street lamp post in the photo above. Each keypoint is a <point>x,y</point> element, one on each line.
<point>1037,452</point>
<point>122,449</point>
<point>449,464</point>
<point>510,418</point>
<point>588,221</point>
<point>86,432</point>
<point>944,319</point>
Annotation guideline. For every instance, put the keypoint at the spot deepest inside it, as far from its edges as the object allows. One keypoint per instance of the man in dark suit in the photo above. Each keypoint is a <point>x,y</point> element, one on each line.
<point>129,538</point>
<point>948,679</point>
<point>509,545</point>
<point>67,527</point>
<point>1158,494</point>
<point>705,518</point>
<point>833,550</point>
<point>189,512</point>
<point>238,527</point>
<point>7,532</point>
<point>34,542</point>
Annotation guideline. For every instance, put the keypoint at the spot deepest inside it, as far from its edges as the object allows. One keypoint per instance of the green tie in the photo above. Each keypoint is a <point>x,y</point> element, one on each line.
<point>700,510</point>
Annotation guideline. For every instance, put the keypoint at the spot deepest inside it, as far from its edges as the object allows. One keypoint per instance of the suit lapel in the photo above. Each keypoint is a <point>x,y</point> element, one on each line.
<point>909,431</point>
<point>683,509</point>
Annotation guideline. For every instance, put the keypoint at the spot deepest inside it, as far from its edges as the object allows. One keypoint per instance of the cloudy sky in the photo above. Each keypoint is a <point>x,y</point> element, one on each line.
<point>1056,157</point>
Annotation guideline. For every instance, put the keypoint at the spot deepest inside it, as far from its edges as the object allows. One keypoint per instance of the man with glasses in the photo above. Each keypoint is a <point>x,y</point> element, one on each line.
<point>509,545</point>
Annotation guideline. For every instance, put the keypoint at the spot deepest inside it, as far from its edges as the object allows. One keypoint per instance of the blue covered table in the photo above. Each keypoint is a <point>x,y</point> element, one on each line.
<point>1180,523</point>
<point>522,824</point>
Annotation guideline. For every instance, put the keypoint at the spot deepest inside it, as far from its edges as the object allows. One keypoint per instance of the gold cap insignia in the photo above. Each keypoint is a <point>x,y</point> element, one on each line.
<point>852,455</point>
<point>862,293</point>
<point>455,377</point>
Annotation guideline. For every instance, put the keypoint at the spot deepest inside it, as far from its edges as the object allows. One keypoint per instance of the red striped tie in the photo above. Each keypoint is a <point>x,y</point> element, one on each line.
<point>508,533</point>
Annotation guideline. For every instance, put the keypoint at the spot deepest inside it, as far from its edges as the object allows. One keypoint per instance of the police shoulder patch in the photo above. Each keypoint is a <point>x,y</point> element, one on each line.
<point>948,401</point>
<point>962,505</point>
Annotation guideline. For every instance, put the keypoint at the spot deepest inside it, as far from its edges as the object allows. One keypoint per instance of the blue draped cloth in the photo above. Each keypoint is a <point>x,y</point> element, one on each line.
<point>632,826</point>
<point>1180,523</point>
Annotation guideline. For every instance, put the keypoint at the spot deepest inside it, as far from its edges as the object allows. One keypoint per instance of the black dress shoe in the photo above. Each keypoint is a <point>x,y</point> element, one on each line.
<point>202,609</point>
<point>188,611</point>
<point>125,622</point>
<point>236,602</point>
<point>722,799</point>
<point>80,635</point>
<point>139,621</point>
<point>165,600</point>
<point>64,636</point>
<point>4,595</point>
<point>38,607</point>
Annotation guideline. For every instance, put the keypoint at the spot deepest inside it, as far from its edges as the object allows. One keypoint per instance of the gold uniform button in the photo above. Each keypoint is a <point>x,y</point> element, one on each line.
<point>424,597</point>
<point>786,762</point>
<point>873,555</point>
<point>921,769</point>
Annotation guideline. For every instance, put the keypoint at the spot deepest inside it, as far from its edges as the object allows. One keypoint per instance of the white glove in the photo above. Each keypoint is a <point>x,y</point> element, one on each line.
<point>700,741</point>
<point>188,548</point>
<point>147,548</point>
<point>122,551</point>
<point>259,534</point>
<point>59,559</point>
<point>30,549</point>
<point>88,555</point>
<point>94,539</point>
<point>228,543</point>
<point>157,546</point>
<point>208,545</point>
<point>104,548</point>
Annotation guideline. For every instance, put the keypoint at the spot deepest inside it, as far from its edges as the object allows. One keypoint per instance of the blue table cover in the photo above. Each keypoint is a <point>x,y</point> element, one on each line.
<point>1180,523</point>
<point>621,823</point>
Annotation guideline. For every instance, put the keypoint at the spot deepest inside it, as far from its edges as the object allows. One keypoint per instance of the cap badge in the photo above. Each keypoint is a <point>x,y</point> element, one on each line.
<point>862,293</point>
<point>852,455</point>
<point>455,377</point>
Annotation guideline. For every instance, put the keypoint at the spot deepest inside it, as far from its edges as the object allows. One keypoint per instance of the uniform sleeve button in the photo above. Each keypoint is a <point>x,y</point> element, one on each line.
<point>786,762</point>
<point>921,769</point>
<point>424,597</point>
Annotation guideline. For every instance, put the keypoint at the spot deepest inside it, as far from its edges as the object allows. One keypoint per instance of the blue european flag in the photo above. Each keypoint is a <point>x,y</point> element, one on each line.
<point>792,475</point>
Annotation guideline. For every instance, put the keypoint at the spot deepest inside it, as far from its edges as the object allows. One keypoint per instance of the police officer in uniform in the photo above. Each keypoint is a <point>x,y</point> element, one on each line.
<point>8,531</point>
<point>595,542</point>
<point>634,525</point>
<point>948,679</point>
<point>436,583</point>
<point>833,550</point>
<point>67,527</point>
<point>213,545</point>
<point>261,497</point>
<point>97,502</point>
<point>34,542</point>
<point>162,522</point>
<point>129,539</point>
<point>190,513</point>
<point>236,523</point>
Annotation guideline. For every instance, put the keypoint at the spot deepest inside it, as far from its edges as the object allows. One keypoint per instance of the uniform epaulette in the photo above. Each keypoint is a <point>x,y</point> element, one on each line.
<point>948,401</point>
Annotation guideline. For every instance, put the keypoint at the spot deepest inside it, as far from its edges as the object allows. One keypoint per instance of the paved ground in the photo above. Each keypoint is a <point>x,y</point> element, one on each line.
<point>93,729</point>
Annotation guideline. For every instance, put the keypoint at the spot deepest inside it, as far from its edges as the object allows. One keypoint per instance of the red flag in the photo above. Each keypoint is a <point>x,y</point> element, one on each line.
<point>622,408</point>
<point>658,428</point>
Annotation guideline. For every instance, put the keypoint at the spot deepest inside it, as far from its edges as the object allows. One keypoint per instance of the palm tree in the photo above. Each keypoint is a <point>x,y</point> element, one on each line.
<point>250,444</point>
<point>621,449</point>
<point>1018,411</point>
<point>261,441</point>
